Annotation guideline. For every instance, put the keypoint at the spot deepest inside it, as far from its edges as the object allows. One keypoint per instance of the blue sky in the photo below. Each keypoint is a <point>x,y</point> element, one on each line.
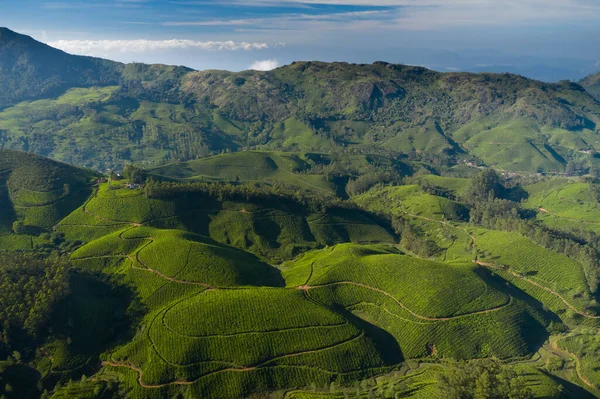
<point>561,36</point>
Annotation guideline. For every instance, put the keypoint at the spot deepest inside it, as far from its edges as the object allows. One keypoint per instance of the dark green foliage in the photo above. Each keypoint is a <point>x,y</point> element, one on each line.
<point>486,185</point>
<point>412,240</point>
<point>89,389</point>
<point>30,288</point>
<point>18,381</point>
<point>243,192</point>
<point>133,174</point>
<point>484,379</point>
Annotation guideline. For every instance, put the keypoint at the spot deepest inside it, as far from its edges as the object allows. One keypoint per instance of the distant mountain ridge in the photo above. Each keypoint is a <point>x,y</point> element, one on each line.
<point>592,85</point>
<point>155,114</point>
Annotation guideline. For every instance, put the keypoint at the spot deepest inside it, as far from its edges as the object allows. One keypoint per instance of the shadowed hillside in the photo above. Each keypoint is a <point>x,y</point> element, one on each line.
<point>30,69</point>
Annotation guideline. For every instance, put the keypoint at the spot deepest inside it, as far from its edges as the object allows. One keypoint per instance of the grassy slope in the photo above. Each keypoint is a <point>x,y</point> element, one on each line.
<point>564,203</point>
<point>271,230</point>
<point>181,277</point>
<point>554,271</point>
<point>37,191</point>
<point>419,303</point>
<point>411,199</point>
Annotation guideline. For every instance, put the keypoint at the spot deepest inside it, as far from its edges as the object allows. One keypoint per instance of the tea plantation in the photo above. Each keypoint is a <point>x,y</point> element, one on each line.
<point>219,287</point>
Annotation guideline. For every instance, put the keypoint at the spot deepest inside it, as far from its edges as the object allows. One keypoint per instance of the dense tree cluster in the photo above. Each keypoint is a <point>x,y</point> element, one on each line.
<point>486,185</point>
<point>413,240</point>
<point>484,379</point>
<point>244,192</point>
<point>30,287</point>
<point>489,211</point>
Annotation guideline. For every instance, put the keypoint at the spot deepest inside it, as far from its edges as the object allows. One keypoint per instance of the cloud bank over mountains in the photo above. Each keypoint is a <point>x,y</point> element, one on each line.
<point>100,47</point>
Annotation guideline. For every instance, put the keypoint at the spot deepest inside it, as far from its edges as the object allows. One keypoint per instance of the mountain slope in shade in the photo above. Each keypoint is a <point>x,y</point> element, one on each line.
<point>39,192</point>
<point>30,69</point>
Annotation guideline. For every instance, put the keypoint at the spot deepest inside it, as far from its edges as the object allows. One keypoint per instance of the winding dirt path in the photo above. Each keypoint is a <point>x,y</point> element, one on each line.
<point>418,316</point>
<point>140,373</point>
<point>515,274</point>
<point>562,353</point>
<point>544,210</point>
<point>263,364</point>
<point>147,268</point>
<point>444,223</point>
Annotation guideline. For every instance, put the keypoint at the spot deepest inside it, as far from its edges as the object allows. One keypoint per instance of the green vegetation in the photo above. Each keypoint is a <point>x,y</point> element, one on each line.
<point>250,167</point>
<point>36,193</point>
<point>104,114</point>
<point>584,346</point>
<point>29,289</point>
<point>183,272</point>
<point>316,231</point>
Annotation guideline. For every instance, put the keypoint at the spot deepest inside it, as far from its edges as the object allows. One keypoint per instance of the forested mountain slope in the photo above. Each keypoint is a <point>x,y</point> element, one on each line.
<point>113,114</point>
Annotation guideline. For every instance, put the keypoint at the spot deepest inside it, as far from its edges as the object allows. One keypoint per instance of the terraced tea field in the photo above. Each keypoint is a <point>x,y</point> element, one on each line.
<point>218,319</point>
<point>564,204</point>
<point>242,295</point>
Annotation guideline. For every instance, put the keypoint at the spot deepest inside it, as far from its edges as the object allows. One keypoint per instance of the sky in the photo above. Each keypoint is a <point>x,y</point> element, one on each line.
<point>546,39</point>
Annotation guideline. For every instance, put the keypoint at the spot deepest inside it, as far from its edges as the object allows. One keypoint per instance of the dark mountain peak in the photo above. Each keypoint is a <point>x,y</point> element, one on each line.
<point>6,33</point>
<point>30,69</point>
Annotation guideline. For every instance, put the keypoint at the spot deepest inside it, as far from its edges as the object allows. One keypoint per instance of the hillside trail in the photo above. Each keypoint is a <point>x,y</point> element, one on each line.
<point>544,210</point>
<point>515,274</point>
<point>148,268</point>
<point>496,267</point>
<point>140,373</point>
<point>565,354</point>
<point>263,364</point>
<point>444,223</point>
<point>416,315</point>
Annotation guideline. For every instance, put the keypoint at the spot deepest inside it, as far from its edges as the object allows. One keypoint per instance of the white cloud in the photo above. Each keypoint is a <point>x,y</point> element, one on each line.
<point>102,47</point>
<point>264,65</point>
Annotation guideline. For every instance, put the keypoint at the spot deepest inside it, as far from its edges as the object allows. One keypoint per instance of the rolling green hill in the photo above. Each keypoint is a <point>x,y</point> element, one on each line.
<point>269,227</point>
<point>250,167</point>
<point>222,278</point>
<point>36,193</point>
